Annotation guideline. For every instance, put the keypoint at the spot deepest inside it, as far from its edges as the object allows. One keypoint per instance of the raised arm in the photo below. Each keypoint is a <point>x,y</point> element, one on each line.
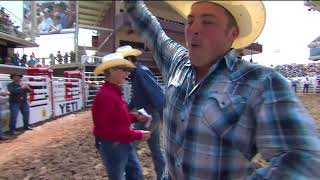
<point>167,53</point>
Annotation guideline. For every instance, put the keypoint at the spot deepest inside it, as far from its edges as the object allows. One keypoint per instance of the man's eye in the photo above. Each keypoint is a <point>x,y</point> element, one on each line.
<point>189,22</point>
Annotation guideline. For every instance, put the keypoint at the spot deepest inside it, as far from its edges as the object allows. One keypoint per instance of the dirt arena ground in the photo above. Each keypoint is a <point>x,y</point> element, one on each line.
<point>63,149</point>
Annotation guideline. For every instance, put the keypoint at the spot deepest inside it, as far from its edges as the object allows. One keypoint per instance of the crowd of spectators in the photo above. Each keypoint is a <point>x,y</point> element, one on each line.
<point>52,17</point>
<point>24,61</point>
<point>32,61</point>
<point>7,25</point>
<point>299,70</point>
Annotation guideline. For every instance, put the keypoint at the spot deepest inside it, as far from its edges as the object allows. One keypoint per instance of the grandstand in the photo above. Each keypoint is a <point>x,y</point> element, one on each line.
<point>299,70</point>
<point>314,5</point>
<point>315,44</point>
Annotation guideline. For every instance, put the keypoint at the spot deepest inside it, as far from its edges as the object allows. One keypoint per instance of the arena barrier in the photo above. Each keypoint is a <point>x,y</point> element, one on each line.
<point>50,96</point>
<point>39,100</point>
<point>92,84</point>
<point>67,95</point>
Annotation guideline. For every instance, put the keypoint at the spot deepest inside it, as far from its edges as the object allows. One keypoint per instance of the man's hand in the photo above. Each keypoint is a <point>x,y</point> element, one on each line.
<point>4,93</point>
<point>25,86</point>
<point>145,135</point>
<point>143,118</point>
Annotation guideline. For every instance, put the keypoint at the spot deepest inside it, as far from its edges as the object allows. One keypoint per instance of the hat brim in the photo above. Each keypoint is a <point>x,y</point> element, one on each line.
<point>113,63</point>
<point>250,17</point>
<point>131,52</point>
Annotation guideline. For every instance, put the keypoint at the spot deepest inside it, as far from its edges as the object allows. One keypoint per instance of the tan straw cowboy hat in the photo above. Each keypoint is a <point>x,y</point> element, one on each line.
<point>113,60</point>
<point>128,51</point>
<point>250,17</point>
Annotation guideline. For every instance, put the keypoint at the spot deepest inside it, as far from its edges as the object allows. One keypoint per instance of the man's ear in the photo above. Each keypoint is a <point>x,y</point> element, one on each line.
<point>235,33</point>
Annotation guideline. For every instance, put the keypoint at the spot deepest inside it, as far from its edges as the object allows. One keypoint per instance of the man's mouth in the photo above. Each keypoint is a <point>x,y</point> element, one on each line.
<point>194,45</point>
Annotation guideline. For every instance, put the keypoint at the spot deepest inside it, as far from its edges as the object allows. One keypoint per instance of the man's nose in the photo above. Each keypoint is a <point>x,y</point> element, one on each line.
<point>195,28</point>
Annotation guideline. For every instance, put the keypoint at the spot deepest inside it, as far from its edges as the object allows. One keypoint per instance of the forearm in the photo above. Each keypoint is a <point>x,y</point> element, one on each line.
<point>13,90</point>
<point>294,164</point>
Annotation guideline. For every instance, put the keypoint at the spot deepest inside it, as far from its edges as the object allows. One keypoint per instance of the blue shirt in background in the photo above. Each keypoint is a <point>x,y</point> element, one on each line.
<point>146,93</point>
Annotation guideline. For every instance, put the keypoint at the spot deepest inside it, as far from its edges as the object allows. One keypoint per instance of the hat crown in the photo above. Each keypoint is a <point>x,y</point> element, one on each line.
<point>112,56</point>
<point>124,48</point>
<point>127,50</point>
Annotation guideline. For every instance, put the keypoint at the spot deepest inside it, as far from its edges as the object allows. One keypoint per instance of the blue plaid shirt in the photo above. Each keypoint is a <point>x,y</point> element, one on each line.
<point>214,128</point>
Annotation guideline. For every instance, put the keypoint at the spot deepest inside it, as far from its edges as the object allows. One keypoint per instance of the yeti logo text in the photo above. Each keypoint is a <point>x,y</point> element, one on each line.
<point>68,107</point>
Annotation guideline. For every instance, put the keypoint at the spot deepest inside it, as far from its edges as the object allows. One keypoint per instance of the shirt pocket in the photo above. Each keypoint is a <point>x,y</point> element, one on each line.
<point>173,92</point>
<point>222,112</point>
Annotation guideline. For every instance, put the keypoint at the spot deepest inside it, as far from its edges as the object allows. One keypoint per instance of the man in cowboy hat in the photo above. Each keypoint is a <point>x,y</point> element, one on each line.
<point>18,102</point>
<point>219,111</point>
<point>112,120</point>
<point>148,95</point>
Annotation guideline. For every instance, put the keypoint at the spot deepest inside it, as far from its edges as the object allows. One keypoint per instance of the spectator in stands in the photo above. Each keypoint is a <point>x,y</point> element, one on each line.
<point>306,85</point>
<point>24,61</point>
<point>52,59</point>
<point>66,58</point>
<point>72,57</point>
<point>16,60</point>
<point>71,14</point>
<point>112,120</point>
<point>46,22</point>
<point>148,95</point>
<point>33,61</point>
<point>60,9</point>
<point>59,57</point>
<point>3,93</point>
<point>56,26</point>
<point>18,102</point>
<point>219,113</point>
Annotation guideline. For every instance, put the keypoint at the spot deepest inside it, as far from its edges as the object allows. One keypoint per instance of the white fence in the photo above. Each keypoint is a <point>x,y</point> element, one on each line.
<point>67,95</point>
<point>50,97</point>
<point>39,100</point>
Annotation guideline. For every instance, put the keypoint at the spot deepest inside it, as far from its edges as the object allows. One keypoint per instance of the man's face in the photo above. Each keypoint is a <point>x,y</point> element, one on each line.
<point>208,33</point>
<point>118,75</point>
<point>16,79</point>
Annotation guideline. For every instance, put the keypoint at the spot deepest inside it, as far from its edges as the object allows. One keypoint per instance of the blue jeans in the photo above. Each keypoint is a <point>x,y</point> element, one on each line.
<point>1,132</point>
<point>115,156</point>
<point>153,143</point>
<point>305,88</point>
<point>14,111</point>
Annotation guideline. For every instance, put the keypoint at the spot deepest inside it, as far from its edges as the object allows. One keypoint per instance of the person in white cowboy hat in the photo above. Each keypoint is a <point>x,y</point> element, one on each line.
<point>112,120</point>
<point>148,95</point>
<point>220,111</point>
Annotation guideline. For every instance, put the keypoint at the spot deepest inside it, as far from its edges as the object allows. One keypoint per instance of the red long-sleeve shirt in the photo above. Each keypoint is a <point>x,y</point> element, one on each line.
<point>111,118</point>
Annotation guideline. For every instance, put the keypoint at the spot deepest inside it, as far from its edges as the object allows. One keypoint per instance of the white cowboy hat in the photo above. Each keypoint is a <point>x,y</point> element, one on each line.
<point>250,17</point>
<point>113,60</point>
<point>128,51</point>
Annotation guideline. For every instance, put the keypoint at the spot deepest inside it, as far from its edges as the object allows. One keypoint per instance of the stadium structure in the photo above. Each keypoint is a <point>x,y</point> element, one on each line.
<point>315,44</point>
